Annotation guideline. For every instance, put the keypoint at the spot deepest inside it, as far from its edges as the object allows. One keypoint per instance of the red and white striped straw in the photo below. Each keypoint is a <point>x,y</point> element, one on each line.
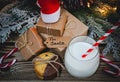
<point>99,41</point>
<point>117,73</point>
<point>2,65</point>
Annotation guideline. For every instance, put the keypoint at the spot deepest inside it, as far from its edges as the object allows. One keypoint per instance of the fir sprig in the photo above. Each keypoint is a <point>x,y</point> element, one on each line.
<point>97,28</point>
<point>17,20</point>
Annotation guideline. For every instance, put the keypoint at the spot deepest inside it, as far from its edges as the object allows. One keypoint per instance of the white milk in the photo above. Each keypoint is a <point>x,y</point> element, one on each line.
<point>78,66</point>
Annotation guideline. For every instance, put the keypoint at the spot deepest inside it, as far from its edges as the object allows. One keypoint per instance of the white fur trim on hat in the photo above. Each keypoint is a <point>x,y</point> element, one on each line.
<point>51,18</point>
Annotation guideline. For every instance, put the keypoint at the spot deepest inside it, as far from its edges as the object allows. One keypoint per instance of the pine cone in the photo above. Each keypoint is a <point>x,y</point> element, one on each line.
<point>72,5</point>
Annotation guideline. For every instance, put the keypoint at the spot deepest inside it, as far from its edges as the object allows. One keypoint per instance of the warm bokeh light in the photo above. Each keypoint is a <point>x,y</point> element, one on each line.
<point>105,9</point>
<point>88,4</point>
<point>115,8</point>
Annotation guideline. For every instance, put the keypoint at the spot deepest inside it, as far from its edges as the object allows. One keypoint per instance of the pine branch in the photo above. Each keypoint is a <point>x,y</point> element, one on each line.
<point>95,28</point>
<point>106,25</point>
<point>113,44</point>
<point>16,20</point>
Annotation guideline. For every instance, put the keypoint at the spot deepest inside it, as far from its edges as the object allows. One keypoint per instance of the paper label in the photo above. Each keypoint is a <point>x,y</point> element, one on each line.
<point>57,42</point>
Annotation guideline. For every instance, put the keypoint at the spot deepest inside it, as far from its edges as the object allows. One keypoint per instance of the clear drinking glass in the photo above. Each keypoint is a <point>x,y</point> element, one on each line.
<point>76,65</point>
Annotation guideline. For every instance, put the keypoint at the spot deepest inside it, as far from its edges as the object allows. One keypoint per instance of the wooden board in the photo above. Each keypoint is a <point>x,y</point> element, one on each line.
<point>23,70</point>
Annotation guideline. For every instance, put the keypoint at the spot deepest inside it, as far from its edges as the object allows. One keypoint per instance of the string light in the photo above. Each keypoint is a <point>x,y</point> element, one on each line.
<point>105,9</point>
<point>88,4</point>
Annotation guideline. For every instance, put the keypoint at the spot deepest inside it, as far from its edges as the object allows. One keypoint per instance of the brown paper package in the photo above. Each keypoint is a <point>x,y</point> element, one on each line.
<point>55,29</point>
<point>30,43</point>
<point>73,28</point>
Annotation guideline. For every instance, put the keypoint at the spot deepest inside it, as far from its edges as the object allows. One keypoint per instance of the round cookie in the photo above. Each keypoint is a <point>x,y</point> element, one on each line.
<point>47,66</point>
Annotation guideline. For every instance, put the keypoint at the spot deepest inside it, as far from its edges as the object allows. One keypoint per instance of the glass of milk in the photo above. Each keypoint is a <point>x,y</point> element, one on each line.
<point>75,64</point>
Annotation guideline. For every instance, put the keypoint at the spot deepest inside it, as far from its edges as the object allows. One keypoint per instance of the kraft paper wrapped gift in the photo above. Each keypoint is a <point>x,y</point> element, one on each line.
<point>73,28</point>
<point>30,43</point>
<point>55,29</point>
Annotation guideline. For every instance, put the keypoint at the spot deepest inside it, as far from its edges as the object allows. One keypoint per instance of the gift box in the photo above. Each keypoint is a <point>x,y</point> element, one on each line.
<point>55,29</point>
<point>73,28</point>
<point>30,43</point>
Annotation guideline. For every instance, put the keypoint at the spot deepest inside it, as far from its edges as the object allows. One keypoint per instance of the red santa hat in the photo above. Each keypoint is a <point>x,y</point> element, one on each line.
<point>50,10</point>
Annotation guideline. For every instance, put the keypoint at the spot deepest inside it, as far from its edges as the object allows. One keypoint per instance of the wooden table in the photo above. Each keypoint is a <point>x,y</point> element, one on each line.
<point>26,73</point>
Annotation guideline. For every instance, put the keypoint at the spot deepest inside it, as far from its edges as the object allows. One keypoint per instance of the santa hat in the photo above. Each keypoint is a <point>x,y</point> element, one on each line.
<point>50,10</point>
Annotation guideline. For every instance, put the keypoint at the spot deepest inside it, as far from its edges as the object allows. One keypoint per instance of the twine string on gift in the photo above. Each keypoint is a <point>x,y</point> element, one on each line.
<point>50,62</point>
<point>67,25</point>
<point>26,43</point>
<point>48,28</point>
<point>36,35</point>
<point>10,63</point>
<point>48,31</point>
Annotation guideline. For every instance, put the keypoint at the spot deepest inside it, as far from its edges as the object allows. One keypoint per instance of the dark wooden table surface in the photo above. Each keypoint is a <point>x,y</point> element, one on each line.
<point>23,70</point>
